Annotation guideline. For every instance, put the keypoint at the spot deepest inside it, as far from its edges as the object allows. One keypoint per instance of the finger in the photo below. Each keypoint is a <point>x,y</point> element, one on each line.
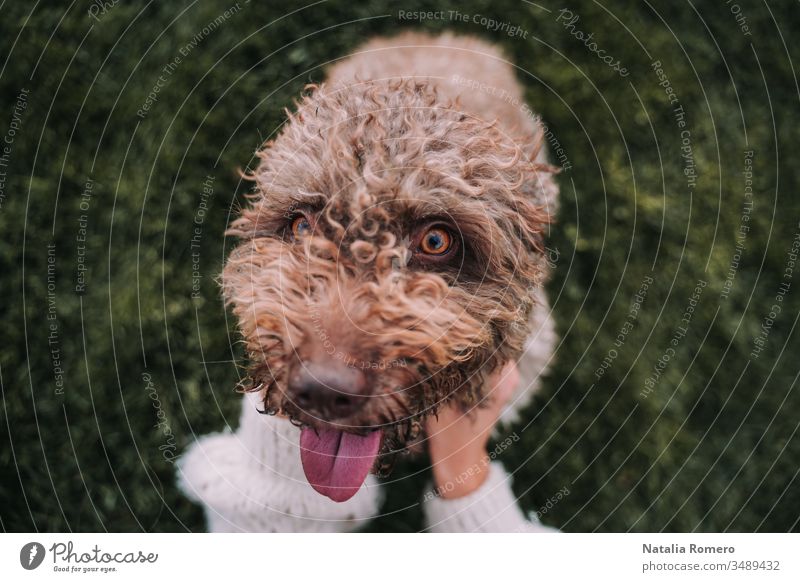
<point>504,383</point>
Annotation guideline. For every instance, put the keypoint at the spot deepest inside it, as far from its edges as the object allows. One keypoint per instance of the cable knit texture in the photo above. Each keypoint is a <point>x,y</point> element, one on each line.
<point>492,508</point>
<point>252,481</point>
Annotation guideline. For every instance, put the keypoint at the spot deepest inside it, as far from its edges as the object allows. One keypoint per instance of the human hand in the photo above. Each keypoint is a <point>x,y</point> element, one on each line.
<point>457,441</point>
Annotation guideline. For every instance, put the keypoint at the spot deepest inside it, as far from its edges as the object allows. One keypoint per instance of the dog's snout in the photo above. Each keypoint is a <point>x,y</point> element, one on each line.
<point>328,388</point>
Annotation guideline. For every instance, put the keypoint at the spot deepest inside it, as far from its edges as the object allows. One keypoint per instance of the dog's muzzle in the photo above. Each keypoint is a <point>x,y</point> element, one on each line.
<point>327,389</point>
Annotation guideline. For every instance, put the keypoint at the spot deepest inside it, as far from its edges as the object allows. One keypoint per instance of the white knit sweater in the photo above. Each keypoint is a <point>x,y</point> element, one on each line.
<point>252,480</point>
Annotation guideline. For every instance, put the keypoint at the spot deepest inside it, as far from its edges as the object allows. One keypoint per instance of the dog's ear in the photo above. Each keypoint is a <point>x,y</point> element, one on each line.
<point>534,220</point>
<point>537,204</point>
<point>540,176</point>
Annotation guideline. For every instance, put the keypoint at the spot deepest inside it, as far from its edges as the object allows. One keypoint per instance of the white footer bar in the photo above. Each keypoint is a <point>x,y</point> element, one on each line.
<point>390,557</point>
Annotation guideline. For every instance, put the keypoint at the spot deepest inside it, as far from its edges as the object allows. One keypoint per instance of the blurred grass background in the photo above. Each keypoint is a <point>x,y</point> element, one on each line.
<point>713,447</point>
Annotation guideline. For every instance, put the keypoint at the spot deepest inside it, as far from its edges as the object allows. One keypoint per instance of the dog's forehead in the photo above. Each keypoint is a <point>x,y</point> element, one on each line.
<point>393,155</point>
<point>422,202</point>
<point>395,142</point>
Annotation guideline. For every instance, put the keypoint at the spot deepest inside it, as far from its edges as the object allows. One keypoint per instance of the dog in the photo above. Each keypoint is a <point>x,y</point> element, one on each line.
<point>391,255</point>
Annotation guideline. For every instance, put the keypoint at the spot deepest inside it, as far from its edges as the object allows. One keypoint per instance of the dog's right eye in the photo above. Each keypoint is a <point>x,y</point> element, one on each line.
<point>300,227</point>
<point>436,241</point>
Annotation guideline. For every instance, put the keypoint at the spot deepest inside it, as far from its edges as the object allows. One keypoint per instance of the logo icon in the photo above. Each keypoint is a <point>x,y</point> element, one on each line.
<point>31,555</point>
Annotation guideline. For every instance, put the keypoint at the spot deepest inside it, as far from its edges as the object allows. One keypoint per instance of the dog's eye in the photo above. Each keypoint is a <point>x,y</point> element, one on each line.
<point>300,227</point>
<point>436,241</point>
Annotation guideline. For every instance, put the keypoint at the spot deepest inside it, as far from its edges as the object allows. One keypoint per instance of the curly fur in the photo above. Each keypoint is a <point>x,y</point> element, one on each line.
<point>386,144</point>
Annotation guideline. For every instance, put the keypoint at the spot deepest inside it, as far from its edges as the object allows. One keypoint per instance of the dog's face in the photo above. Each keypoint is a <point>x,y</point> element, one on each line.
<point>386,266</point>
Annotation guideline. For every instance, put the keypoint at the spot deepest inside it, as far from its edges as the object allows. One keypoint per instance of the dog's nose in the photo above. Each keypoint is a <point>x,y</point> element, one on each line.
<point>329,389</point>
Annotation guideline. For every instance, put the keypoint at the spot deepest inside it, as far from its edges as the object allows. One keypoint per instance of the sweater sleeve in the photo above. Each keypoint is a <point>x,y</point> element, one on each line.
<point>252,480</point>
<point>490,508</point>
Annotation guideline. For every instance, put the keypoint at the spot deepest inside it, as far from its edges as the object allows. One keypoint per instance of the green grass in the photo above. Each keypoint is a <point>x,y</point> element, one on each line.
<point>713,447</point>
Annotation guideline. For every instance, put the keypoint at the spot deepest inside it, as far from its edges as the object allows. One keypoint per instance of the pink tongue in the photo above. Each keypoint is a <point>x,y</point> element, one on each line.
<point>336,462</point>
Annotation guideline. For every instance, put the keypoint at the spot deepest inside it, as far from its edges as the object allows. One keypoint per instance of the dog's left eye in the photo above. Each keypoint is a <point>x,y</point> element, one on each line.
<point>300,227</point>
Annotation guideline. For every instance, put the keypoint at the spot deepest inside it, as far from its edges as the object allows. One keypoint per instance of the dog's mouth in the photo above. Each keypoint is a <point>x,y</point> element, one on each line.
<point>338,453</point>
<point>335,462</point>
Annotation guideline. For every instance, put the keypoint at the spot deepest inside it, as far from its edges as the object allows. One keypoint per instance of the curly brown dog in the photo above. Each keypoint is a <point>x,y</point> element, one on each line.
<point>392,253</point>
